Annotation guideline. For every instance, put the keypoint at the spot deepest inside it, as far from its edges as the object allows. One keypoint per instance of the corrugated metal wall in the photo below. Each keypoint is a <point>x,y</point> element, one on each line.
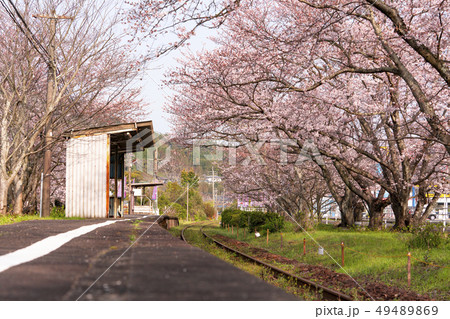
<point>86,176</point>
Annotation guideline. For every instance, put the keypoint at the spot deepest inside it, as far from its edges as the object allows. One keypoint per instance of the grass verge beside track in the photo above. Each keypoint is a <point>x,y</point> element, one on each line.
<point>12,219</point>
<point>369,256</point>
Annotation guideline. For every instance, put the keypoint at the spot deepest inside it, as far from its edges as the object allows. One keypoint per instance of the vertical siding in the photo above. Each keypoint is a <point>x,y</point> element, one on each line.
<point>86,176</point>
<point>108,165</point>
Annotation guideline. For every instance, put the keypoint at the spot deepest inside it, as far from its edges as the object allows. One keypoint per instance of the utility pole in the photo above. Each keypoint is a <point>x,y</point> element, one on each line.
<point>129,183</point>
<point>214,193</point>
<point>187,202</point>
<point>155,163</point>
<point>48,134</point>
<point>155,179</point>
<point>223,200</point>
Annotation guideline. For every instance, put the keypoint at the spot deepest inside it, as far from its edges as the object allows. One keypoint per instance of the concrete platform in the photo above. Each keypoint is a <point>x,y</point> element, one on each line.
<point>101,266</point>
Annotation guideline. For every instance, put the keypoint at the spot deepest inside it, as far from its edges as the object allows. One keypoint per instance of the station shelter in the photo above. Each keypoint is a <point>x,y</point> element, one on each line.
<point>95,167</point>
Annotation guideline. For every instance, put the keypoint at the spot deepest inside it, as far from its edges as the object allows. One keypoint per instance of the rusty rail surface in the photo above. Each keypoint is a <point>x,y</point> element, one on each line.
<point>183,238</point>
<point>327,293</point>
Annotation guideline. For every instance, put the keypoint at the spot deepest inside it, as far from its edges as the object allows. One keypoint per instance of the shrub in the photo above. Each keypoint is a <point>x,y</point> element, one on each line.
<point>243,219</point>
<point>256,220</point>
<point>274,222</point>
<point>176,210</point>
<point>252,220</point>
<point>58,212</point>
<point>208,210</point>
<point>199,216</point>
<point>226,217</point>
<point>426,237</point>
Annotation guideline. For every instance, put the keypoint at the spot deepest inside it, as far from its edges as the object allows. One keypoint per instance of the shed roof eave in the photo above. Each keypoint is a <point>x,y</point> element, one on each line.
<point>110,129</point>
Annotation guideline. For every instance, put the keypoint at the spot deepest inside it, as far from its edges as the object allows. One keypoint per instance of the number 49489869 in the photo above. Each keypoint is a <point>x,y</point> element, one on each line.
<point>407,310</point>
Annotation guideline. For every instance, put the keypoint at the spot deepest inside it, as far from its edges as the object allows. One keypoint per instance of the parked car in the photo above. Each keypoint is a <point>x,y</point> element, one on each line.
<point>433,216</point>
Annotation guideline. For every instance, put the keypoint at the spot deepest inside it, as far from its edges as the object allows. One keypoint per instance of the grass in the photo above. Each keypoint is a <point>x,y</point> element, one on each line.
<point>136,226</point>
<point>12,219</point>
<point>378,256</point>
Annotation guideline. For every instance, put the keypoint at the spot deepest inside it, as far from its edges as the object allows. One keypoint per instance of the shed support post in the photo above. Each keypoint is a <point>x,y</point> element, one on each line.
<point>122,197</point>
<point>116,170</point>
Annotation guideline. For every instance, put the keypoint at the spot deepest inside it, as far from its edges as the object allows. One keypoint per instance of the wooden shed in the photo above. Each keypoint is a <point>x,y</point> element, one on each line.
<point>95,158</point>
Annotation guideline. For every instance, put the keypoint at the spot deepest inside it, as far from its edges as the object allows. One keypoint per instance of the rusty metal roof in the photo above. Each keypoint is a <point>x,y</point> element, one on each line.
<point>125,137</point>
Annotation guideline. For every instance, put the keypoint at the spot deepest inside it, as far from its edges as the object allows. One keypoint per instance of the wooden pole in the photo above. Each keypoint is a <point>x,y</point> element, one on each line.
<point>281,236</point>
<point>129,185</point>
<point>244,233</point>
<point>187,201</point>
<point>116,180</point>
<point>48,130</point>
<point>122,188</point>
<point>304,246</point>
<point>342,254</point>
<point>409,269</point>
<point>232,229</point>
<point>213,194</point>
<point>267,236</point>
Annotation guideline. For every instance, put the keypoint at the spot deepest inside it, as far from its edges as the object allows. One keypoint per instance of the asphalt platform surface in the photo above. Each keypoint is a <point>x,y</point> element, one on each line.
<point>104,265</point>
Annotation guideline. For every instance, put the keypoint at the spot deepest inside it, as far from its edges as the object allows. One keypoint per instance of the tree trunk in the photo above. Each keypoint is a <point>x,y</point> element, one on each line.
<point>31,187</point>
<point>376,216</point>
<point>346,208</point>
<point>358,208</point>
<point>18,196</point>
<point>421,214</point>
<point>303,217</point>
<point>3,196</point>
<point>399,205</point>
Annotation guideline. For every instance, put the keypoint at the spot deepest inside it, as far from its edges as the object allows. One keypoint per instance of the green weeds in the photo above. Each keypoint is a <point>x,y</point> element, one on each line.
<point>12,219</point>
<point>370,255</point>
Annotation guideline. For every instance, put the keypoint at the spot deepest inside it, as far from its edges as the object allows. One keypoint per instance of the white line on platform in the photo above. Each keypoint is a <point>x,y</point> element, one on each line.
<point>45,246</point>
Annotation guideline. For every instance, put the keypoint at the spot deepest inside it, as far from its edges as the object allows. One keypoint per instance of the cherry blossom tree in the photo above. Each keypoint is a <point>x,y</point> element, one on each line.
<point>92,78</point>
<point>364,118</point>
<point>407,39</point>
<point>366,81</point>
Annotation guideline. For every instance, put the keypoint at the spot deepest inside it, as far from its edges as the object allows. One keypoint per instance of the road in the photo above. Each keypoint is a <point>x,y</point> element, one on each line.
<point>117,261</point>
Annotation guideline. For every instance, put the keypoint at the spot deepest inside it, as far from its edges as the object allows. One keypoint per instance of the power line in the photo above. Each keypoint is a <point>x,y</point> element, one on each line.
<point>28,28</point>
<point>33,40</point>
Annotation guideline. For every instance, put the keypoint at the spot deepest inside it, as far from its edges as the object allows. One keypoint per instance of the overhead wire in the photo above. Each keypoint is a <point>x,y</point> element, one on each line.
<point>28,28</point>
<point>28,33</point>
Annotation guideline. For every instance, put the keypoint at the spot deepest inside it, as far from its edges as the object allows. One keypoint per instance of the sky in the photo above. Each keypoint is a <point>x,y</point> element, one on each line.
<point>154,92</point>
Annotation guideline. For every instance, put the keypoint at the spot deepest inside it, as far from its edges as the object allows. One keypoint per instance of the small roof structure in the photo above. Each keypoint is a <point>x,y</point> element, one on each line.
<point>95,156</point>
<point>147,184</point>
<point>124,137</point>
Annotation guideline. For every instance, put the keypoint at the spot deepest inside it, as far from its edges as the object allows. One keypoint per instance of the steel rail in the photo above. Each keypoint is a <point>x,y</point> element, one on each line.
<point>327,293</point>
<point>183,238</point>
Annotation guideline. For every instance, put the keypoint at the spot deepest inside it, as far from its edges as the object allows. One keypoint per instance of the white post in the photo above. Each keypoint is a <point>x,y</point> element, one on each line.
<point>445,213</point>
<point>327,219</point>
<point>446,210</point>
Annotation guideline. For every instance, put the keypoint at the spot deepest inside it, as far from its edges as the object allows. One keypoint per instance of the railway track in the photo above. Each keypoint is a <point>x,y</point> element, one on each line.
<point>183,238</point>
<point>327,293</point>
